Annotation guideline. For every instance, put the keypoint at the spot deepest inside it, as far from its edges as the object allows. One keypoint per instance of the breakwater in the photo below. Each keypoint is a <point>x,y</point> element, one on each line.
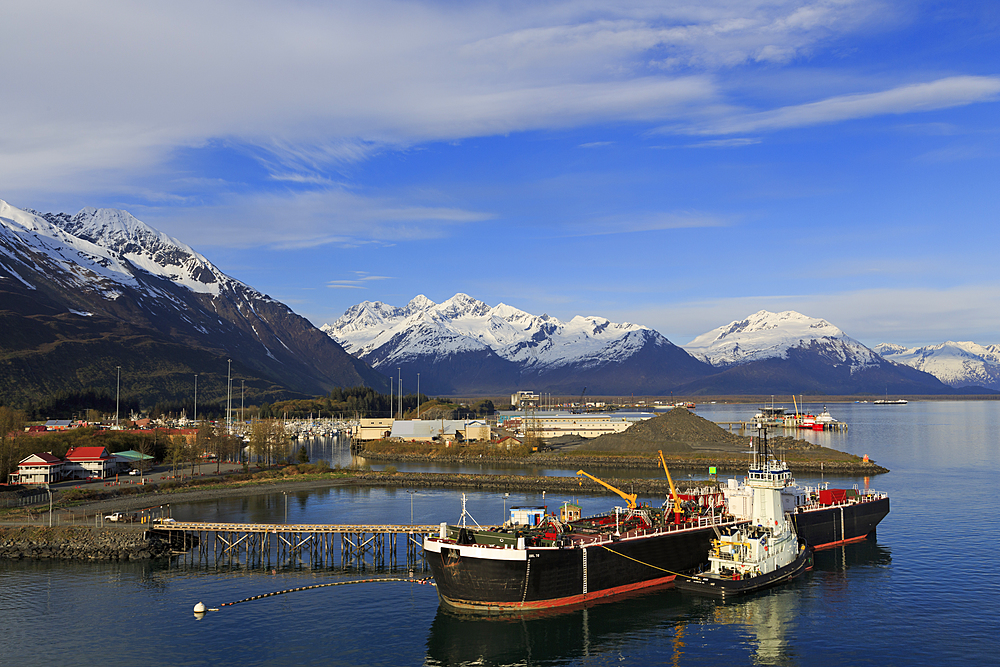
<point>523,483</point>
<point>81,543</point>
<point>724,464</point>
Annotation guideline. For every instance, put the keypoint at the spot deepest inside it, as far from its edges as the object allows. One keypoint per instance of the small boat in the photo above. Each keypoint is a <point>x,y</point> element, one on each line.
<point>745,558</point>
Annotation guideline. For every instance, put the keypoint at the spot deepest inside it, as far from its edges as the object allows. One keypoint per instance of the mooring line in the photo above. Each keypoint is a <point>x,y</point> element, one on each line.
<point>427,580</point>
<point>655,567</point>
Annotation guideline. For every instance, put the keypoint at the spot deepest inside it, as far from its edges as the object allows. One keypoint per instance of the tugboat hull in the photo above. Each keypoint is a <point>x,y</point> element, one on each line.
<point>728,588</point>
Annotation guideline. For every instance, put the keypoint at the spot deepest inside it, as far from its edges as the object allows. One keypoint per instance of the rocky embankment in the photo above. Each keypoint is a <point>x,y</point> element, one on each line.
<point>522,483</point>
<point>78,543</point>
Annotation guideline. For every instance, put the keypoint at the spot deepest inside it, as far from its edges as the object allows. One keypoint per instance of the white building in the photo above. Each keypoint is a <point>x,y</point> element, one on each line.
<point>41,468</point>
<point>587,425</point>
<point>426,430</point>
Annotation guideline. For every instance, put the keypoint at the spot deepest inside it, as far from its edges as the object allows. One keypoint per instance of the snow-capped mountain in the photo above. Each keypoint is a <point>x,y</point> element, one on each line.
<point>957,364</point>
<point>100,289</point>
<point>766,335</point>
<point>791,353</point>
<point>464,344</point>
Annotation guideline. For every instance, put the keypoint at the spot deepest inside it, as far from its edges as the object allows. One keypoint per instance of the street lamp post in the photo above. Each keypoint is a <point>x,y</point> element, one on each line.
<point>399,375</point>
<point>418,395</point>
<point>505,497</point>
<point>196,399</point>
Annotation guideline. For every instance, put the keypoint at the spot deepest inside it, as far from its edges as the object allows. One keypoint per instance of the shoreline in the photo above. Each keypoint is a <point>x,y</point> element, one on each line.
<point>724,462</point>
<point>511,482</point>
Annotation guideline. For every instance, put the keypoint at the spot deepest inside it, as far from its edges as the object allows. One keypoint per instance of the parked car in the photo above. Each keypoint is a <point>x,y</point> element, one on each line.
<point>164,519</point>
<point>134,471</point>
<point>118,516</point>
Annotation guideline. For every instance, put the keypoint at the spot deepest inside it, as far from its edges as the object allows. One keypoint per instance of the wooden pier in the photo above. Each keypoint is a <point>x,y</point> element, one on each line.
<point>357,546</point>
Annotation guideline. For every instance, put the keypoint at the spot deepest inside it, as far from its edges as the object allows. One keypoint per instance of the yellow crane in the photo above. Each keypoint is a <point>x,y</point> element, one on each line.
<point>673,490</point>
<point>629,497</point>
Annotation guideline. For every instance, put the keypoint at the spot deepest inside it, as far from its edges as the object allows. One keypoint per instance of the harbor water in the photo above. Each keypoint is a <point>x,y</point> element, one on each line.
<point>923,592</point>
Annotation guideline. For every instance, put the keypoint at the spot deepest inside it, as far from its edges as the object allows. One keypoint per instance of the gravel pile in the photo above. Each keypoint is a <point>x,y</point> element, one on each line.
<point>677,431</point>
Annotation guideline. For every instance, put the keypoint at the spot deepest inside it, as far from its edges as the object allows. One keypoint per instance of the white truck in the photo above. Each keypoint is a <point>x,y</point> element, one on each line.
<point>117,516</point>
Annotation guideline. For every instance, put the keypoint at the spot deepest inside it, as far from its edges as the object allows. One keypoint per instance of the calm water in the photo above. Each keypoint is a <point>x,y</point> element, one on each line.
<point>922,593</point>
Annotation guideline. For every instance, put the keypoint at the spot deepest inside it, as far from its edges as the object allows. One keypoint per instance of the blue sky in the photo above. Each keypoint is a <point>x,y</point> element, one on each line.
<point>676,164</point>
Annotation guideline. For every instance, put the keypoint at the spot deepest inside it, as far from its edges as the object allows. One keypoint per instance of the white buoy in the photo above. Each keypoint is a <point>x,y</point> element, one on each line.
<point>200,608</point>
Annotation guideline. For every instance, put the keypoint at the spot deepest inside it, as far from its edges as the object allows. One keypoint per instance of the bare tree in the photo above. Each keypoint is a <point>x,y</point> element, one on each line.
<point>11,427</point>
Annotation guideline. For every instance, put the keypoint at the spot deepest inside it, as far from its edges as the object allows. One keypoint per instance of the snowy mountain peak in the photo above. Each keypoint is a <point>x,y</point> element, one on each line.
<point>384,334</point>
<point>766,335</point>
<point>958,364</point>
<point>418,304</point>
<point>105,247</point>
<point>462,305</point>
<point>149,249</point>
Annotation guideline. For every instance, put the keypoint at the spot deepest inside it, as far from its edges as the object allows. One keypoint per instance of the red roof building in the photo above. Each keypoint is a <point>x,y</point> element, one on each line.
<point>84,462</point>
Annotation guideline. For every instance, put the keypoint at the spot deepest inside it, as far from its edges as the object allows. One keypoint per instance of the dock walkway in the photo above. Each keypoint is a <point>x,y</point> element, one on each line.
<point>361,546</point>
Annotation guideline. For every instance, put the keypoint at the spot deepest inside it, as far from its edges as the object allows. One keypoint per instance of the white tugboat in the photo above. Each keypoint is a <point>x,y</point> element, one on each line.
<point>764,552</point>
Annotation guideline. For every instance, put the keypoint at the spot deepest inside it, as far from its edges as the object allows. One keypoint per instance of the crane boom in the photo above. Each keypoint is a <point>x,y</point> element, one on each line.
<point>673,490</point>
<point>629,497</point>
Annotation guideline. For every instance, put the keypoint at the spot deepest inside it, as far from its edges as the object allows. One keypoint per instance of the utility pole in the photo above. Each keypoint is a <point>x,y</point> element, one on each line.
<point>196,400</point>
<point>418,395</point>
<point>399,374</point>
<point>118,393</point>
<point>229,398</point>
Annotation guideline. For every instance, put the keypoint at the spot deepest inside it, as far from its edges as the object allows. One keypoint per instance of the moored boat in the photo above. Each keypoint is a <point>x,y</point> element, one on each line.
<point>764,552</point>
<point>822,516</point>
<point>539,561</point>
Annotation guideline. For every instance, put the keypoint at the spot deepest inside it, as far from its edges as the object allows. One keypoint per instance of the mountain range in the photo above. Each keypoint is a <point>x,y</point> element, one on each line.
<point>82,295</point>
<point>955,364</point>
<point>466,346</point>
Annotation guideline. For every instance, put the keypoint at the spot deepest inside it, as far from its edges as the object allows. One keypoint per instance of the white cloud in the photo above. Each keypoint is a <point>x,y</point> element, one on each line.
<point>307,219</point>
<point>358,282</point>
<point>726,143</point>
<point>641,222</point>
<point>940,94</point>
<point>98,91</point>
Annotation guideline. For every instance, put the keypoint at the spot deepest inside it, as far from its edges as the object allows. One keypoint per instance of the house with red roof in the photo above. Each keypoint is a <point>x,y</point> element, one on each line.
<point>44,468</point>
<point>84,462</point>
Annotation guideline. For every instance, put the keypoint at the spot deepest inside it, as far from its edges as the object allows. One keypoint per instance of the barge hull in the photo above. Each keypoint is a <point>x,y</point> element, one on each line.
<point>840,524</point>
<point>472,578</point>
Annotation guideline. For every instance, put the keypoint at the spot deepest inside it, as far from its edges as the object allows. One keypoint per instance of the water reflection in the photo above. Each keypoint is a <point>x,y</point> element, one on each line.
<point>771,618</point>
<point>764,627</point>
<point>863,553</point>
<point>553,637</point>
